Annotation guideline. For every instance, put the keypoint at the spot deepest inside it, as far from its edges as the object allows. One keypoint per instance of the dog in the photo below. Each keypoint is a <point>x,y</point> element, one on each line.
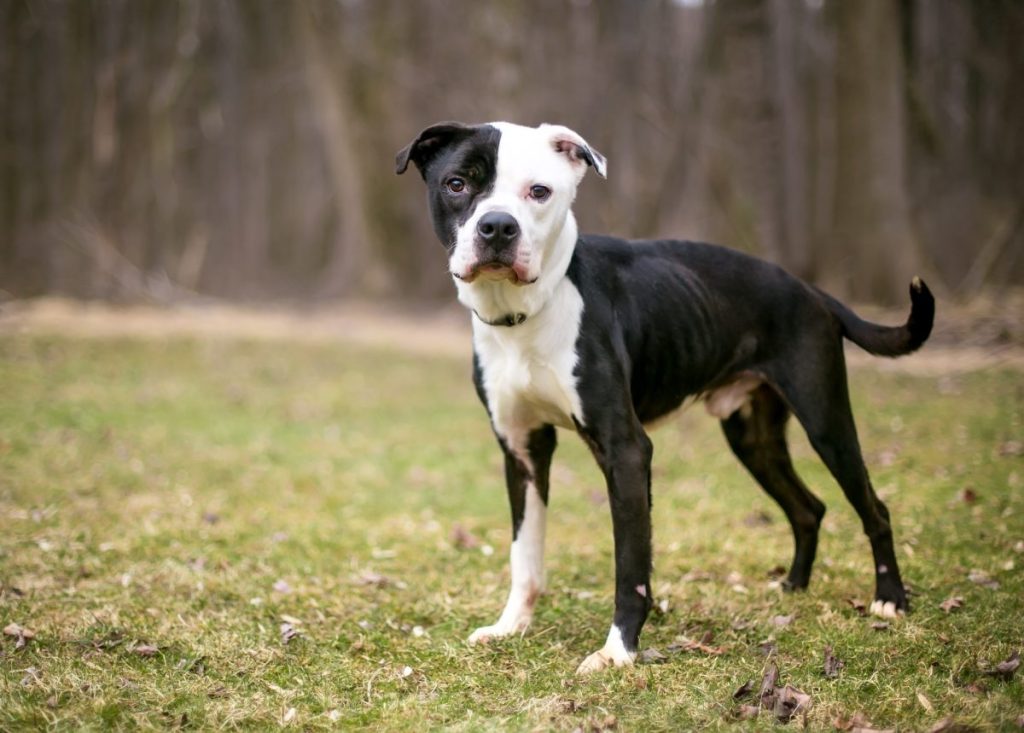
<point>605,336</point>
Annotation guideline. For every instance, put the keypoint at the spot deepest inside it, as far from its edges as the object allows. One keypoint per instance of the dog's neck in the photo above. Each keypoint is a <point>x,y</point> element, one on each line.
<point>494,302</point>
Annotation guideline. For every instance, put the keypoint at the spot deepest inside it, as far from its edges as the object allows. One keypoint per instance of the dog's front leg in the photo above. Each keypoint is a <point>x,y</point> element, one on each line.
<point>626,462</point>
<point>527,467</point>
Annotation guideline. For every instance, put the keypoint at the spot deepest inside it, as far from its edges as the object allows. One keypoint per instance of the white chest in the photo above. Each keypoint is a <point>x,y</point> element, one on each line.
<point>528,370</point>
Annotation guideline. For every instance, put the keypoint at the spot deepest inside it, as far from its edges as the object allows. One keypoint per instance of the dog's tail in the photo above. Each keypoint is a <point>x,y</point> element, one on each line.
<point>890,340</point>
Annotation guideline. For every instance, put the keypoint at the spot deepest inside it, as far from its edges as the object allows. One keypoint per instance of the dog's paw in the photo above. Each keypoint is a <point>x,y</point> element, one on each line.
<point>885,609</point>
<point>613,653</point>
<point>496,631</point>
<point>603,659</point>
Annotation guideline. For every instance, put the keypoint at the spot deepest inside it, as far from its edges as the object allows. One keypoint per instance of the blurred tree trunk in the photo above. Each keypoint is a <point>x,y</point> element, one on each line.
<point>874,253</point>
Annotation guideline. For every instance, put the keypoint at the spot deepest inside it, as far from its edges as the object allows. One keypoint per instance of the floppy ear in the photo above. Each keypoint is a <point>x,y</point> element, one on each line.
<point>428,144</point>
<point>577,149</point>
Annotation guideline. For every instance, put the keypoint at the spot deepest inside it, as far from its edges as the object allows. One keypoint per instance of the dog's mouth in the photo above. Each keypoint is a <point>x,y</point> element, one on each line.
<point>495,271</point>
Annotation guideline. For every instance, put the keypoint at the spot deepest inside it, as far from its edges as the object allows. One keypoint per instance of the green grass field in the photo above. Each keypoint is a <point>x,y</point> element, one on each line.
<point>166,505</point>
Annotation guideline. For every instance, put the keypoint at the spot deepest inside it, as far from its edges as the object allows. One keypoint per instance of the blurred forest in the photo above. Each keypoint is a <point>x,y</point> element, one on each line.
<point>164,149</point>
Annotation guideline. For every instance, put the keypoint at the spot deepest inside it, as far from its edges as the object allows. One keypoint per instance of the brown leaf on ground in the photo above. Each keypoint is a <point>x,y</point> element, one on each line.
<point>683,644</point>
<point>1011,448</point>
<point>745,712</point>
<point>880,625</point>
<point>782,621</point>
<point>463,539</point>
<point>289,632</point>
<point>145,650</point>
<point>744,691</point>
<point>858,605</point>
<point>1005,669</point>
<point>832,663</point>
<point>925,702</point>
<point>948,725</point>
<point>651,656</point>
<point>980,577</point>
<point>952,604</point>
<point>968,495</point>
<point>789,702</point>
<point>768,682</point>
<point>776,572</point>
<point>20,633</point>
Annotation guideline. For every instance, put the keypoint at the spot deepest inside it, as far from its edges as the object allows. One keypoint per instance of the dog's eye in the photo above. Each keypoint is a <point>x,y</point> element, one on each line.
<point>539,193</point>
<point>456,185</point>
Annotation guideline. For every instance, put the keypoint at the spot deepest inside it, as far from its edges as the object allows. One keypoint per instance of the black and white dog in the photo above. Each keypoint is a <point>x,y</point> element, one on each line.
<point>605,336</point>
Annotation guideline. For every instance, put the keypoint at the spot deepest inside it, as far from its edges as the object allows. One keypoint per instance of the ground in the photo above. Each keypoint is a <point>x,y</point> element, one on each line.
<point>208,521</point>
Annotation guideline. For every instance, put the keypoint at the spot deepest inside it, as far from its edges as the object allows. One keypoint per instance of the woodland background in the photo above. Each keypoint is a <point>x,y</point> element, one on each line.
<point>243,149</point>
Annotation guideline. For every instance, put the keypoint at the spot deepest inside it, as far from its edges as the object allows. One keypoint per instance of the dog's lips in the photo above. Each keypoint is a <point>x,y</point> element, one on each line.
<point>495,272</point>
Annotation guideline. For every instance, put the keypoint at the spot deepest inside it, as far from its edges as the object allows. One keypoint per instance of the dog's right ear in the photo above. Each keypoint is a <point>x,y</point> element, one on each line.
<point>428,144</point>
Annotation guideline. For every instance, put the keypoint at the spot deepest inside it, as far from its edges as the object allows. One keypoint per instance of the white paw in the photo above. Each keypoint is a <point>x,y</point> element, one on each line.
<point>497,631</point>
<point>612,653</point>
<point>885,609</point>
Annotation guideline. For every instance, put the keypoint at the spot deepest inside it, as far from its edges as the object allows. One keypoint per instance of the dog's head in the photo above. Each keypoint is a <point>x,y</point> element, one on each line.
<point>500,194</point>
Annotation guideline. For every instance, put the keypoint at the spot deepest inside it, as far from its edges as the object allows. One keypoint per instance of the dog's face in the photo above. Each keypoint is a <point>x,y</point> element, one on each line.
<point>499,193</point>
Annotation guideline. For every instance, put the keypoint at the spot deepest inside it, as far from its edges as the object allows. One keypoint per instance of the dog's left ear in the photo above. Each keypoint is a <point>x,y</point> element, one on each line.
<point>428,144</point>
<point>577,149</point>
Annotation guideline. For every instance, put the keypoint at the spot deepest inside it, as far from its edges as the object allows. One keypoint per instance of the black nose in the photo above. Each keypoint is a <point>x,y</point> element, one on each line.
<point>497,228</point>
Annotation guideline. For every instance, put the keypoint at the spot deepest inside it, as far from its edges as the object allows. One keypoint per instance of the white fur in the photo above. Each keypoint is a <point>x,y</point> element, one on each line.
<point>526,157</point>
<point>527,370</point>
<point>613,652</point>
<point>527,563</point>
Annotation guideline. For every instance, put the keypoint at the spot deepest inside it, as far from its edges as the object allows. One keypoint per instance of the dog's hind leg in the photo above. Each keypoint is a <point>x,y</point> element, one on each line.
<point>527,467</point>
<point>757,435</point>
<point>820,400</point>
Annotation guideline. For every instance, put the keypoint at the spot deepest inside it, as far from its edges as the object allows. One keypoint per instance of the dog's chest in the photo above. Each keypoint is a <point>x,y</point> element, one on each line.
<point>528,371</point>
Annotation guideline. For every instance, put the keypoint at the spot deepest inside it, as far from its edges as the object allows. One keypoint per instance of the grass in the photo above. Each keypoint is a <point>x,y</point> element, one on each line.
<point>165,505</point>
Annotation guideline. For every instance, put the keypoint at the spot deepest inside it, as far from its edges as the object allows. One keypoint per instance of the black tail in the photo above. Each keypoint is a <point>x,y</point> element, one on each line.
<point>890,340</point>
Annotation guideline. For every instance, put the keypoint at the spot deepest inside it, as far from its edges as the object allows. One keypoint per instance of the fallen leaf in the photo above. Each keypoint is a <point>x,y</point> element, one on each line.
<point>1012,448</point>
<point>968,495</point>
<point>20,633</point>
<point>952,604</point>
<point>289,632</point>
<point>980,577</point>
<point>651,656</point>
<point>925,702</point>
<point>768,682</point>
<point>683,644</point>
<point>832,664</point>
<point>857,723</point>
<point>789,702</point>
<point>880,625</point>
<point>290,619</point>
<point>767,648</point>
<point>744,691</point>
<point>289,715</point>
<point>858,605</point>
<point>463,538</point>
<point>776,572</point>
<point>745,712</point>
<point>782,621</point>
<point>1005,669</point>
<point>948,725</point>
<point>145,650</point>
